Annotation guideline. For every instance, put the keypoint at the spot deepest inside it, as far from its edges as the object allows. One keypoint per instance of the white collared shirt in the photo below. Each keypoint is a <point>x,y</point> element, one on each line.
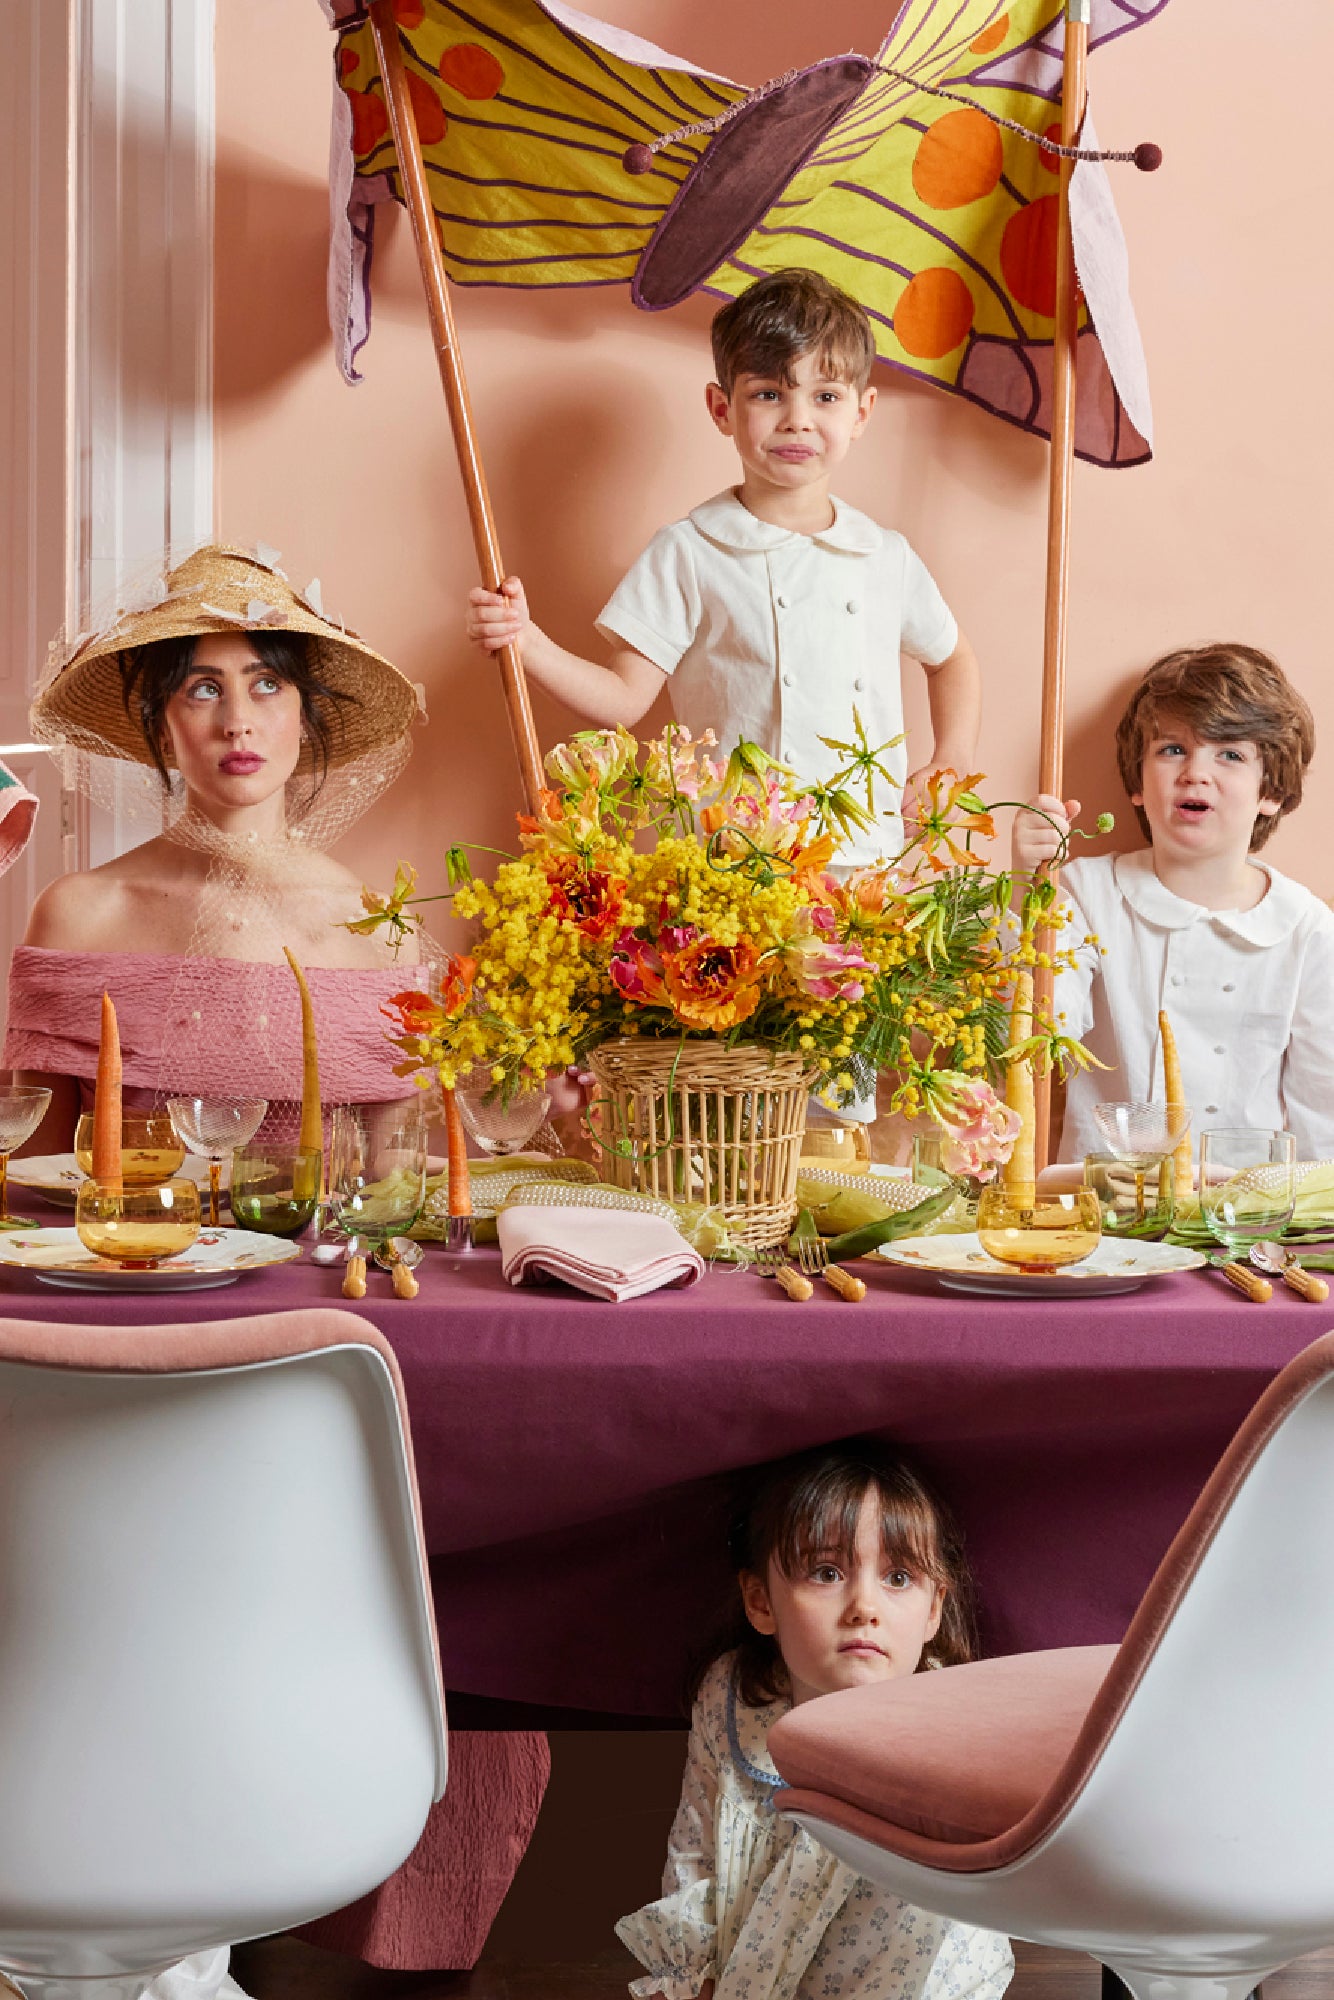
<point>776,637</point>
<point>1249,993</point>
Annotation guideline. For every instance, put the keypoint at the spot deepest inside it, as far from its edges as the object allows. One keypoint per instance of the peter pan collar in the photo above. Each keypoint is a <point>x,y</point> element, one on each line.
<point>725,521</point>
<point>1273,918</point>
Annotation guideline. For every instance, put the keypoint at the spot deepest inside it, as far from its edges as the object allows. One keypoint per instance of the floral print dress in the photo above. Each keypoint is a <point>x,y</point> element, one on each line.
<point>751,1901</point>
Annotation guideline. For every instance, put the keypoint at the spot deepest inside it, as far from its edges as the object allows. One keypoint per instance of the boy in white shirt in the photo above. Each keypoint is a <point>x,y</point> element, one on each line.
<point>1213,747</point>
<point>773,609</point>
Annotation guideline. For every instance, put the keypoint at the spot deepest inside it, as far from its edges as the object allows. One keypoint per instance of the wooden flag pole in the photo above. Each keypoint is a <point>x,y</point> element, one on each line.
<point>417,197</point>
<point>1061,468</point>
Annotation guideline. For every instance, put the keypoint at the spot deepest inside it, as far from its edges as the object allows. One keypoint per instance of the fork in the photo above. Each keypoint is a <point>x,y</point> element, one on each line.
<point>773,1263</point>
<point>813,1257</point>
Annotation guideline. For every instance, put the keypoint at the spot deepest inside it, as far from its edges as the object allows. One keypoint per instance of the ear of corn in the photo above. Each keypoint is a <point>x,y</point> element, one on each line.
<point>1020,1171</point>
<point>1183,1180</point>
<point>107,1101</point>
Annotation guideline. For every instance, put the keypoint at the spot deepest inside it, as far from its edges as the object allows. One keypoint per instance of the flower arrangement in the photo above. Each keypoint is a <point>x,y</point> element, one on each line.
<point>665,891</point>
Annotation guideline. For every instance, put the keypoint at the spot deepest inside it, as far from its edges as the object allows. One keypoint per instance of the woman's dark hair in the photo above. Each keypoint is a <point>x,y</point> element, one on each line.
<point>151,675</point>
<point>807,1506</point>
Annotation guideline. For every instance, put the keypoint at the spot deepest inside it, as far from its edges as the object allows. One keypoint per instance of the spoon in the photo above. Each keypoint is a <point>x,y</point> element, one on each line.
<point>1280,1263</point>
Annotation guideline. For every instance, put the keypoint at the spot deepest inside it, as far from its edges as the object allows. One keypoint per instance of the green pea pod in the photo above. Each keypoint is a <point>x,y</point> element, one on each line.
<point>907,1222</point>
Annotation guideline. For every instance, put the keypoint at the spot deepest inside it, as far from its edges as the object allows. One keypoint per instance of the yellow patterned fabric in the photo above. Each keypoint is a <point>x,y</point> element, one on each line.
<point>942,223</point>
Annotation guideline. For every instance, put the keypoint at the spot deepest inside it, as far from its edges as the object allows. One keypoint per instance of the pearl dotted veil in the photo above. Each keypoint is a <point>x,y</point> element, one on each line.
<point>233,1030</point>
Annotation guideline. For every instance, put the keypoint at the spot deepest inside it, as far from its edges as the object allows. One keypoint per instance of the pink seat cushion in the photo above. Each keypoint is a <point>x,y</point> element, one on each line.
<point>957,1756</point>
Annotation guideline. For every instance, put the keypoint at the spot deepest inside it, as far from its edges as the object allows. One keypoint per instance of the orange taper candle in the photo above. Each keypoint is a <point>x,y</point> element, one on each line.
<point>106,1103</point>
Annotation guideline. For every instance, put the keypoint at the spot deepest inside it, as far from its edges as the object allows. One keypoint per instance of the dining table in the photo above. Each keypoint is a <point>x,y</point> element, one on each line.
<point>578,1460</point>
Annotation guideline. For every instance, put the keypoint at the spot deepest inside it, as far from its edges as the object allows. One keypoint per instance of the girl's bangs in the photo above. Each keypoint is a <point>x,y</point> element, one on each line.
<point>823,1522</point>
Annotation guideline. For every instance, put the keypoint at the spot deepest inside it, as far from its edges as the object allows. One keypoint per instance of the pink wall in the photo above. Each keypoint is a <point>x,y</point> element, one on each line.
<point>592,421</point>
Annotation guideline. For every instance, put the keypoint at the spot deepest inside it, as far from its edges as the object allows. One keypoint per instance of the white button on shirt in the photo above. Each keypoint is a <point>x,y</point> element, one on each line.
<point>702,603</point>
<point>1255,1047</point>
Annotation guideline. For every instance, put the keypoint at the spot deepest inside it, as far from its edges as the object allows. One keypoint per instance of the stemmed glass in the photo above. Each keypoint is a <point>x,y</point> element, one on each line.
<point>377,1170</point>
<point>22,1109</point>
<point>1247,1183</point>
<point>1142,1136</point>
<point>214,1127</point>
<point>499,1125</point>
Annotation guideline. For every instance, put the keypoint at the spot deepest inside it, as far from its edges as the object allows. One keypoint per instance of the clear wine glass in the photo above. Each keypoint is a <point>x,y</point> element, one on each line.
<point>1142,1136</point>
<point>377,1169</point>
<point>1247,1184</point>
<point>213,1127</point>
<point>22,1109</point>
<point>499,1125</point>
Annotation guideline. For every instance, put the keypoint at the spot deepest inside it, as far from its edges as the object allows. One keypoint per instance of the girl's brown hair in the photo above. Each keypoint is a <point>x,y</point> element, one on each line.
<point>806,1506</point>
<point>790,313</point>
<point>1226,694</point>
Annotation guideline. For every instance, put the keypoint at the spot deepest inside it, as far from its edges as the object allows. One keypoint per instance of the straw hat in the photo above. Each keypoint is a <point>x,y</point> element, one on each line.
<point>81,703</point>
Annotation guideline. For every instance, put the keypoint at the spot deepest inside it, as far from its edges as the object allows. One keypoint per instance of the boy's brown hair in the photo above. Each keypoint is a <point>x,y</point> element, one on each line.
<point>1226,694</point>
<point>788,314</point>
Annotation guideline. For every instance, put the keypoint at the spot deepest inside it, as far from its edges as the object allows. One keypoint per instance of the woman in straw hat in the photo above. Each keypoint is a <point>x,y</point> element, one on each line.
<point>253,730</point>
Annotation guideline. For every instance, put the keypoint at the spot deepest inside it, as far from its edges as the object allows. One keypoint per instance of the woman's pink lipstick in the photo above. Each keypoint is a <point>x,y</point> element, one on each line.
<point>240,763</point>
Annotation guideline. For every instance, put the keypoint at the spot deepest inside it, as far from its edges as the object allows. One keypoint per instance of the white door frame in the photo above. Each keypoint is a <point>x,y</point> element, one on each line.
<point>106,342</point>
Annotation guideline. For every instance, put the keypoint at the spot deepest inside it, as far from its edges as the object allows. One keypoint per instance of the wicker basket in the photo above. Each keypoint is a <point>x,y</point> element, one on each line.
<point>729,1137</point>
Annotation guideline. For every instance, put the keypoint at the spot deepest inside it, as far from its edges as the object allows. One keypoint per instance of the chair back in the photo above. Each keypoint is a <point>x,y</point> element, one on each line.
<point>1209,1751</point>
<point>220,1702</point>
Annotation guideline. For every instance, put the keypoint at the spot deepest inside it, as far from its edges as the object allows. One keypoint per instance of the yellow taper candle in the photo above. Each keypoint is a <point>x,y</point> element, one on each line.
<point>311,1134</point>
<point>106,1101</point>
<point>1020,1170</point>
<point>1183,1179</point>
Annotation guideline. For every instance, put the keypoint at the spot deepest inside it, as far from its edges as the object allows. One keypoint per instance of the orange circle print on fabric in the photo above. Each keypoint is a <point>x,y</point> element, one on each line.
<point>934,313</point>
<point>471,70</point>
<point>370,120</point>
<point>1028,255</point>
<point>1051,161</point>
<point>958,160</point>
<point>409,13</point>
<point>427,109</point>
<point>990,37</point>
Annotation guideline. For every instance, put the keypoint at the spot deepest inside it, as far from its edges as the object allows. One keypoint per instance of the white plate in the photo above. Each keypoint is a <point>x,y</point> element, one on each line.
<point>57,1175</point>
<point>960,1264</point>
<point>216,1257</point>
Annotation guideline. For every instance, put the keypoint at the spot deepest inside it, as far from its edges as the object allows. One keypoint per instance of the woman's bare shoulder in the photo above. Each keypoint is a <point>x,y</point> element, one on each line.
<point>106,908</point>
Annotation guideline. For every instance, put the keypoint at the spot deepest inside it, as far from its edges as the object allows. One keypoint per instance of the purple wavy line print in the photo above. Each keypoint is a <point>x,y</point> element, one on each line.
<point>836,243</point>
<point>883,201</point>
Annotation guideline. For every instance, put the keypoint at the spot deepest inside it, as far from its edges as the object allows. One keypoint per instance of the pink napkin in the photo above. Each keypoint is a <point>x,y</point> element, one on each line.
<point>612,1253</point>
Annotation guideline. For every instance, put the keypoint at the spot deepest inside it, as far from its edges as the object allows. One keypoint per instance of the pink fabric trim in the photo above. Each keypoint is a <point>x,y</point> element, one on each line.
<point>55,1000</point>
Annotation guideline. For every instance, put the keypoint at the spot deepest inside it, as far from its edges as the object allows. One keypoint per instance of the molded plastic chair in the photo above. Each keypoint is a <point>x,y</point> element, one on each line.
<point>1167,1806</point>
<point>220,1700</point>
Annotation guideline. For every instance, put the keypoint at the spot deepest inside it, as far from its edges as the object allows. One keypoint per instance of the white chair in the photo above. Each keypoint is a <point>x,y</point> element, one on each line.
<point>220,1702</point>
<point>1167,1806</point>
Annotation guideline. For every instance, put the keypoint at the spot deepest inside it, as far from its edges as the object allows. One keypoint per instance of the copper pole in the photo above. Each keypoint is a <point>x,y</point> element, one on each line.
<point>417,198</point>
<point>1061,467</point>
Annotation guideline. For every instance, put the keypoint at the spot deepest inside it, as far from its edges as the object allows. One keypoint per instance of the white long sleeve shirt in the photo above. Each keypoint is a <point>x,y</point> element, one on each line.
<point>1249,993</point>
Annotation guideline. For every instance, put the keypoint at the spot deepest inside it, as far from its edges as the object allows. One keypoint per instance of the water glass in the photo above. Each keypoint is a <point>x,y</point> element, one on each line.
<point>275,1187</point>
<point>1057,1230</point>
<point>1248,1183</point>
<point>22,1109</point>
<point>137,1227</point>
<point>213,1127</point>
<point>1142,1136</point>
<point>377,1169</point>
<point>150,1151</point>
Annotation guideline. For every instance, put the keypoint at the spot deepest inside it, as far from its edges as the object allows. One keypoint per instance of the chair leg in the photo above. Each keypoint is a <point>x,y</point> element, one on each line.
<point>1115,1988</point>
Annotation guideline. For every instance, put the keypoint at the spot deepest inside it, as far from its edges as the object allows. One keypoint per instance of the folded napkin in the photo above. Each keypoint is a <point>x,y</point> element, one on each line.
<point>609,1253</point>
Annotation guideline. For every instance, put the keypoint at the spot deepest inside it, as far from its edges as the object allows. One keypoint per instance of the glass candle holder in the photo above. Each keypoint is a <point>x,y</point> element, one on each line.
<point>498,1125</point>
<point>1057,1230</point>
<point>137,1227</point>
<point>275,1188</point>
<point>150,1150</point>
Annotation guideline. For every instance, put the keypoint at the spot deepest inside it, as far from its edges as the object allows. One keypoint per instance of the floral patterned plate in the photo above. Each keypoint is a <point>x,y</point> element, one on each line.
<point>216,1257</point>
<point>56,1176</point>
<point>960,1264</point>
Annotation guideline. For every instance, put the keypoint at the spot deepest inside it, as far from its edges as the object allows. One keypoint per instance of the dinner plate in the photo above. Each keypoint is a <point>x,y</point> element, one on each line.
<point>216,1257</point>
<point>960,1264</point>
<point>56,1176</point>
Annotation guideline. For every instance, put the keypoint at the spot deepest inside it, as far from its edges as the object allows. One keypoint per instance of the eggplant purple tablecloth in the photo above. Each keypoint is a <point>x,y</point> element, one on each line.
<point>574,1456</point>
